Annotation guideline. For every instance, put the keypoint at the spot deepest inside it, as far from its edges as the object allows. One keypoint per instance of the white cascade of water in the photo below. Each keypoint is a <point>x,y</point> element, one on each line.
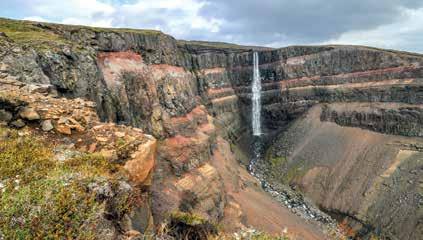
<point>256,99</point>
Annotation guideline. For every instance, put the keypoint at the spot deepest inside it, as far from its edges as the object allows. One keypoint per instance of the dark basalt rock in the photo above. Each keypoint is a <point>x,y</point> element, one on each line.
<point>405,121</point>
<point>147,93</point>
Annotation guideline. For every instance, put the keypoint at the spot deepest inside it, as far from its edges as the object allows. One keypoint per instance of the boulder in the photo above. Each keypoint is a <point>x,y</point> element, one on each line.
<point>47,125</point>
<point>120,134</point>
<point>73,124</point>
<point>18,123</point>
<point>5,116</point>
<point>63,120</point>
<point>29,114</point>
<point>92,147</point>
<point>44,89</point>
<point>142,161</point>
<point>64,129</point>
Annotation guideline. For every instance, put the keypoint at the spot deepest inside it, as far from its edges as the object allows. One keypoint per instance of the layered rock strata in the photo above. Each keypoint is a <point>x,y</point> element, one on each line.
<point>327,101</point>
<point>188,94</point>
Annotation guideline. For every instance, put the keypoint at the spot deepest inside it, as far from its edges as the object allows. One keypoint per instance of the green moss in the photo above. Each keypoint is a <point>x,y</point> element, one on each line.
<point>188,218</point>
<point>280,171</point>
<point>294,172</point>
<point>24,156</point>
<point>190,226</point>
<point>124,30</point>
<point>220,45</point>
<point>276,166</point>
<point>277,161</point>
<point>120,143</point>
<point>41,198</point>
<point>48,208</point>
<point>91,165</point>
<point>264,236</point>
<point>27,32</point>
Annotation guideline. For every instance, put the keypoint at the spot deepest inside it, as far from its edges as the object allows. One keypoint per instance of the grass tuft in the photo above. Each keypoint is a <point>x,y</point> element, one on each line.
<point>187,218</point>
<point>264,236</point>
<point>25,157</point>
<point>48,208</point>
<point>41,198</point>
<point>91,165</point>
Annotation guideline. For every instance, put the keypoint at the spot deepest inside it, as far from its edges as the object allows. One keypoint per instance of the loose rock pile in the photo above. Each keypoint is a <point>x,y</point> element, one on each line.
<point>73,125</point>
<point>72,128</point>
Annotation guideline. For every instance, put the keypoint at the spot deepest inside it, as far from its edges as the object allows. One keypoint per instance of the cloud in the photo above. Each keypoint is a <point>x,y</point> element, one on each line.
<point>277,23</point>
<point>80,12</point>
<point>35,19</point>
<point>406,34</point>
<point>180,18</point>
<point>302,21</point>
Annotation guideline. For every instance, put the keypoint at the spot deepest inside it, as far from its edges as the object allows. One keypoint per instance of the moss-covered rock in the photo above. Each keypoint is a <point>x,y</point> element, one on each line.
<point>42,198</point>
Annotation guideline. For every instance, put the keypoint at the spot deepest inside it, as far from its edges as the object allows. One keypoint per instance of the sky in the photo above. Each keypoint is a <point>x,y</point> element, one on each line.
<point>394,24</point>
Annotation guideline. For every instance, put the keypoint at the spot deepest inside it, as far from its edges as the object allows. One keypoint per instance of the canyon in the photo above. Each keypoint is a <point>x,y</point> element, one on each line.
<point>341,127</point>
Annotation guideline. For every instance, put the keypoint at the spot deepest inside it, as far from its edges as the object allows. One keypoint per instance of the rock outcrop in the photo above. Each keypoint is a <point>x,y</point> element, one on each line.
<point>71,130</point>
<point>194,97</point>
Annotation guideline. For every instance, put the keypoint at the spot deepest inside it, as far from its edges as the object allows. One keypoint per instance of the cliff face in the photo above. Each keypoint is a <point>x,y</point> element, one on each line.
<point>149,80</point>
<point>336,103</point>
<point>195,97</point>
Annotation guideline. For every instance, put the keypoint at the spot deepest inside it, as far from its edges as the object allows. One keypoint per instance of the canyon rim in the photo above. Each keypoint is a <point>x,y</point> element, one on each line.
<point>113,133</point>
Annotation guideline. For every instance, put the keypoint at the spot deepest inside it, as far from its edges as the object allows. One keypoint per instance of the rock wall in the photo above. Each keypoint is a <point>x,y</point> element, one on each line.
<point>181,92</point>
<point>325,99</point>
<point>366,179</point>
<point>187,94</point>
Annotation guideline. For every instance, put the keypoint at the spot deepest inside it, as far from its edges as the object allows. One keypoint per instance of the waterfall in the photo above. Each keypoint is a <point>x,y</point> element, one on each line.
<point>286,198</point>
<point>256,99</point>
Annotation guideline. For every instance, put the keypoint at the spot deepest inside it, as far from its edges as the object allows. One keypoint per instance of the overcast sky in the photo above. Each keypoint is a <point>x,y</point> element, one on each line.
<point>396,24</point>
